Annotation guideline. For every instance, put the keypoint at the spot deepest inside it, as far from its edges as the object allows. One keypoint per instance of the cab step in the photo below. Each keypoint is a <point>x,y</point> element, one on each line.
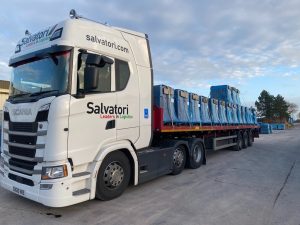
<point>81,174</point>
<point>81,192</point>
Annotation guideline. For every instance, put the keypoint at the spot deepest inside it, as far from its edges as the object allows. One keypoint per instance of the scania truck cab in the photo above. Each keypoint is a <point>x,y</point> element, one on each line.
<point>80,90</point>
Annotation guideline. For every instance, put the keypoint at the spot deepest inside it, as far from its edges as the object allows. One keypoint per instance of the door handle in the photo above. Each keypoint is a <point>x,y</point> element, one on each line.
<point>110,124</point>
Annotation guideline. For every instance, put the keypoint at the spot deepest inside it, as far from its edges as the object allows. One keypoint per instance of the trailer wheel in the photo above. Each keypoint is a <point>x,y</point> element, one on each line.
<point>196,157</point>
<point>239,142</point>
<point>245,139</point>
<point>179,158</point>
<point>113,176</point>
<point>250,138</point>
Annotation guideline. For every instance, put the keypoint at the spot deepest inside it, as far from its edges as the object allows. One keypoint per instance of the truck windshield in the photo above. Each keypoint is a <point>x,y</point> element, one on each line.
<point>43,74</point>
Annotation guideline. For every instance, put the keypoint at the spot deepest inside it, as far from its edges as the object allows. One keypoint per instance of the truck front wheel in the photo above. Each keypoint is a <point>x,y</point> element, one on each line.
<point>113,176</point>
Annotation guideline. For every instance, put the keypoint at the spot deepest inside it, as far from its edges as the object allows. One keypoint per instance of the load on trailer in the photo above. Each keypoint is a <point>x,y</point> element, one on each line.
<point>83,119</point>
<point>183,110</point>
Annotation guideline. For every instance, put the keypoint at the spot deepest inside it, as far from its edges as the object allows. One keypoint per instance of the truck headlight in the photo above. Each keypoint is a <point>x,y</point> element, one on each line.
<point>54,172</point>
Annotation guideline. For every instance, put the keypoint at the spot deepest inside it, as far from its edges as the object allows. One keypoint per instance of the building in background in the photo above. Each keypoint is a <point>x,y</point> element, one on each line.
<point>4,90</point>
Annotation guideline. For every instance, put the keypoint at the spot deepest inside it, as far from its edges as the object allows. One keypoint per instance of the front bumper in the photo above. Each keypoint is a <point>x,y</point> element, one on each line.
<point>60,195</point>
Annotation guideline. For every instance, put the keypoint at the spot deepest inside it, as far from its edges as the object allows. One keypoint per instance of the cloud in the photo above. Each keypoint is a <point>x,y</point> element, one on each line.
<point>193,43</point>
<point>4,71</point>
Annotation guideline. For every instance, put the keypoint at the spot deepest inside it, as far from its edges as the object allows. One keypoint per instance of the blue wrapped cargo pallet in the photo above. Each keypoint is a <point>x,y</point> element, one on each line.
<point>278,126</point>
<point>183,108</point>
<point>222,112</point>
<point>240,115</point>
<point>229,113</point>
<point>221,92</point>
<point>194,109</point>
<point>234,114</point>
<point>204,111</point>
<point>164,98</point>
<point>265,128</point>
<point>214,110</point>
<point>235,93</point>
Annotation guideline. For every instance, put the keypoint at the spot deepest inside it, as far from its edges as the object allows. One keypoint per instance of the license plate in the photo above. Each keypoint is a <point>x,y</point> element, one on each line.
<point>18,191</point>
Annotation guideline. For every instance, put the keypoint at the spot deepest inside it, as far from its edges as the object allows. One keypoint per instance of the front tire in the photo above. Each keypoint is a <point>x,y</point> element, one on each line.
<point>113,176</point>
<point>179,158</point>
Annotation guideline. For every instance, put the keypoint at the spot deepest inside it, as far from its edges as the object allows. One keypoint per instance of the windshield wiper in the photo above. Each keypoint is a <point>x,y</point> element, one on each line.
<point>42,92</point>
<point>19,95</point>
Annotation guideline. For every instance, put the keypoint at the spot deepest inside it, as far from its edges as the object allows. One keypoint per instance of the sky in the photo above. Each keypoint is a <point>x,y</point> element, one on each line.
<point>251,45</point>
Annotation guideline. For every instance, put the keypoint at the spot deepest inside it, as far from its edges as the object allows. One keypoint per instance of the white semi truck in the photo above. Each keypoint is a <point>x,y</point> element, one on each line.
<point>79,122</point>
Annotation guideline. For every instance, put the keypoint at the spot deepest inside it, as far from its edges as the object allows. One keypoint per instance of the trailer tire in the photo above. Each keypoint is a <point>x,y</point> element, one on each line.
<point>196,156</point>
<point>239,142</point>
<point>179,159</point>
<point>250,138</point>
<point>245,139</point>
<point>113,176</point>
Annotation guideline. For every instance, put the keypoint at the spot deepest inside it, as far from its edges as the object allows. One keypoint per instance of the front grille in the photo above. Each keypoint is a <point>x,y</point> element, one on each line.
<point>23,127</point>
<point>20,180</point>
<point>22,166</point>
<point>22,157</point>
<point>29,140</point>
<point>22,151</point>
<point>22,163</point>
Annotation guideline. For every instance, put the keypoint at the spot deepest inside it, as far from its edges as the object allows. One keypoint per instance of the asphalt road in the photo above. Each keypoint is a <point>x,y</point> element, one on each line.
<point>258,185</point>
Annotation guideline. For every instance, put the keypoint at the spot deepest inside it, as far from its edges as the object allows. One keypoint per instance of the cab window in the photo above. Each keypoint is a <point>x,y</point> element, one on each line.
<point>103,75</point>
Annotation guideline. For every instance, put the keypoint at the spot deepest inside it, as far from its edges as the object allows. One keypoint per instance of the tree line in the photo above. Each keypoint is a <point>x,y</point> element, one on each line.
<point>274,108</point>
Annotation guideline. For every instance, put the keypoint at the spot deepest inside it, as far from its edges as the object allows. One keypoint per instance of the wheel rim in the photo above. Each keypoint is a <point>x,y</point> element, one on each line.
<point>113,175</point>
<point>197,153</point>
<point>178,157</point>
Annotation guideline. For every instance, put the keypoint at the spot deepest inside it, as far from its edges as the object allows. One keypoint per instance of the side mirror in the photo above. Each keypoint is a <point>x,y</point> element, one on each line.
<point>91,72</point>
<point>107,60</point>
<point>93,60</point>
<point>98,60</point>
<point>90,78</point>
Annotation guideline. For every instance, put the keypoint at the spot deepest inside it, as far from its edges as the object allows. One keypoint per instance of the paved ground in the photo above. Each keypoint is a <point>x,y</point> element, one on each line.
<point>259,185</point>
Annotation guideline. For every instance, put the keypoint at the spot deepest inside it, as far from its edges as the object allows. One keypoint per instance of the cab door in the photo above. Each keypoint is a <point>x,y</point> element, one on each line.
<point>92,117</point>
